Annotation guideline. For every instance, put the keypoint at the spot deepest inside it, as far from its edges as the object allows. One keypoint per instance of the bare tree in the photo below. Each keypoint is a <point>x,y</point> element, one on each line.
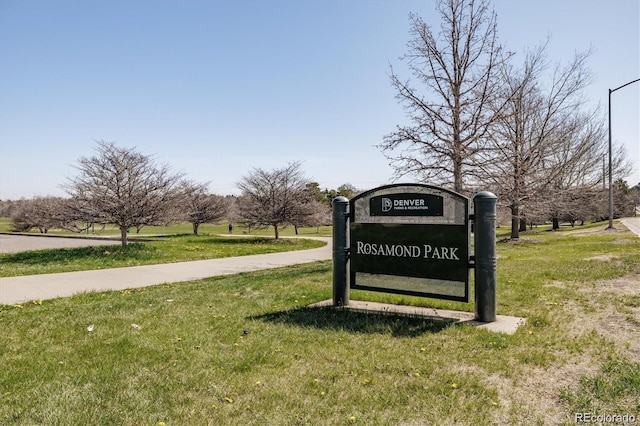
<point>24,217</point>
<point>273,198</point>
<point>123,187</point>
<point>577,205</point>
<point>42,213</point>
<point>320,215</point>
<point>624,199</point>
<point>311,212</point>
<point>80,217</point>
<point>541,142</point>
<point>575,164</point>
<point>239,214</point>
<point>8,207</point>
<point>198,206</point>
<point>453,109</point>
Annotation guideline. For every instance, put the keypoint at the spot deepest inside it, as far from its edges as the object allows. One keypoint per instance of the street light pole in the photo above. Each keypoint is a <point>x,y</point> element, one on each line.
<point>610,161</point>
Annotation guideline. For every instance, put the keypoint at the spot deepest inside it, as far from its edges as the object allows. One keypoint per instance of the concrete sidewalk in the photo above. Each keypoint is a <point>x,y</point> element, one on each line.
<point>11,243</point>
<point>35,287</point>
<point>632,224</point>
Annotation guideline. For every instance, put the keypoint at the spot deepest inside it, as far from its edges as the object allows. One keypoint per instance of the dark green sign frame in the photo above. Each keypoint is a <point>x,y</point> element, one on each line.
<point>419,244</point>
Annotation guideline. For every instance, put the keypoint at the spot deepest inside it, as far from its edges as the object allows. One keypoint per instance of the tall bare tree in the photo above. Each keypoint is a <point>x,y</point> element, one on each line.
<point>124,187</point>
<point>451,109</point>
<point>273,198</point>
<point>542,142</point>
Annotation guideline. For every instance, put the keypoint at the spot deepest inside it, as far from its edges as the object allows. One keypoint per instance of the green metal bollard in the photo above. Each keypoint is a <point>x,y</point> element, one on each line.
<point>485,256</point>
<point>340,251</point>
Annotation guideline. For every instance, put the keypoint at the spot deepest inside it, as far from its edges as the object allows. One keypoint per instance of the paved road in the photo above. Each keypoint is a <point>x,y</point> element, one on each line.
<point>36,287</point>
<point>633,224</point>
<point>18,243</point>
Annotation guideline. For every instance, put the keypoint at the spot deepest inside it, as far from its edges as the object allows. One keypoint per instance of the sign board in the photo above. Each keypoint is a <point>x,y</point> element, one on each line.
<point>410,239</point>
<point>409,204</point>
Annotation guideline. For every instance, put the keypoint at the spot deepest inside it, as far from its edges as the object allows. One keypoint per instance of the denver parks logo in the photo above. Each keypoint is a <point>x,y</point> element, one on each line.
<point>407,204</point>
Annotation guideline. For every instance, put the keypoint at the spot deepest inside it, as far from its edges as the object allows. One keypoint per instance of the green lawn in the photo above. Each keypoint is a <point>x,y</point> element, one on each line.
<point>183,228</point>
<point>247,349</point>
<point>155,250</point>
<point>5,224</point>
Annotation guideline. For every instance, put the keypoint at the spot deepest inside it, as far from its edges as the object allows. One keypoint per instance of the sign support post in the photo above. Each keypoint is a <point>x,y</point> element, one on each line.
<point>485,256</point>
<point>340,251</point>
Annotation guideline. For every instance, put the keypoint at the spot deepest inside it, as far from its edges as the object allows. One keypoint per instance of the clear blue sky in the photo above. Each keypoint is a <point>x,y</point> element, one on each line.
<point>215,88</point>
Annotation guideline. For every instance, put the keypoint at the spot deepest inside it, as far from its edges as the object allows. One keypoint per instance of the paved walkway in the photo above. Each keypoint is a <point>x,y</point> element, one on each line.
<point>633,224</point>
<point>36,287</point>
<point>16,243</point>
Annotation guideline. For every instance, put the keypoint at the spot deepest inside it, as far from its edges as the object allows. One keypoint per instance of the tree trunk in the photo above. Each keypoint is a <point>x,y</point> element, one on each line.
<point>457,176</point>
<point>123,235</point>
<point>295,227</point>
<point>523,224</point>
<point>556,224</point>
<point>515,221</point>
<point>195,228</point>
<point>275,230</point>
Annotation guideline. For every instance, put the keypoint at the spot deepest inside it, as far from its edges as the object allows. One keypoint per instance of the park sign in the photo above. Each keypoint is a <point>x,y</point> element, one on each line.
<point>410,239</point>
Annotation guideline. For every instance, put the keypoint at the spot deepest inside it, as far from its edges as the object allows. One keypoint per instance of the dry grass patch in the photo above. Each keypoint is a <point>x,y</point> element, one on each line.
<point>616,313</point>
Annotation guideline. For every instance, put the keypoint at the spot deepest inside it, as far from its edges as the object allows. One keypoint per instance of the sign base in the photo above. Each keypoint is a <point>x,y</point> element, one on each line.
<point>503,323</point>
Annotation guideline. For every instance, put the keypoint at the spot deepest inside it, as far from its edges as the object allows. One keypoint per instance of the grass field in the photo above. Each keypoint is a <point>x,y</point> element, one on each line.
<point>183,228</point>
<point>154,250</point>
<point>247,349</point>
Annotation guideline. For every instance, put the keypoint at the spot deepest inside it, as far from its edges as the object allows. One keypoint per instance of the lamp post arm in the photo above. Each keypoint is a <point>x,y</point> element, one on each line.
<point>624,85</point>
<point>610,161</point>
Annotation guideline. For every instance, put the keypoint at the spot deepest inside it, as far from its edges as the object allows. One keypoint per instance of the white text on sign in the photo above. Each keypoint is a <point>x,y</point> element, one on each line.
<point>425,251</point>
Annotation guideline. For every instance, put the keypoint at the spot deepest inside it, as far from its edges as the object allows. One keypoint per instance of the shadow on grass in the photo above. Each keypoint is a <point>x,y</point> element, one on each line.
<point>254,240</point>
<point>65,255</point>
<point>231,240</point>
<point>328,317</point>
<point>135,250</point>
